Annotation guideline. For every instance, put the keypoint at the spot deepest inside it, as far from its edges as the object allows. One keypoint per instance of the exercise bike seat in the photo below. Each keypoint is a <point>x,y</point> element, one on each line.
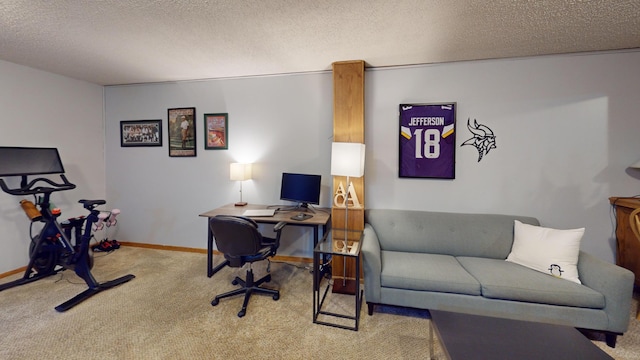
<point>90,204</point>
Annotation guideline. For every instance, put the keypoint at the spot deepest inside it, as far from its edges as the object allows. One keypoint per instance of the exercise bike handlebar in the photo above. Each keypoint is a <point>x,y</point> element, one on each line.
<point>30,189</point>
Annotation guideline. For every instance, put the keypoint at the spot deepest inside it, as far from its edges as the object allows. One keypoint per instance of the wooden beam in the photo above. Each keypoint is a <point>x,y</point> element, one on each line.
<point>348,126</point>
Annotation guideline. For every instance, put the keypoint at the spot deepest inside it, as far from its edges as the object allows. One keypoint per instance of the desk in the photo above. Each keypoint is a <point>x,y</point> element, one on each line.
<point>321,219</point>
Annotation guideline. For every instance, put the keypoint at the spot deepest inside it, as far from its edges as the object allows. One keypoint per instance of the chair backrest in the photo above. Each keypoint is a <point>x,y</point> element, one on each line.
<point>236,236</point>
<point>634,222</point>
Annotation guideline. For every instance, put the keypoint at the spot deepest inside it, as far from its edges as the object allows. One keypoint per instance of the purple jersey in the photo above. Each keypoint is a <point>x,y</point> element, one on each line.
<point>427,140</point>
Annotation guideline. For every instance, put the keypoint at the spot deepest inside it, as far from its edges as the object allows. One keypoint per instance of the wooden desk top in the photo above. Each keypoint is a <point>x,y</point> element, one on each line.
<point>320,217</point>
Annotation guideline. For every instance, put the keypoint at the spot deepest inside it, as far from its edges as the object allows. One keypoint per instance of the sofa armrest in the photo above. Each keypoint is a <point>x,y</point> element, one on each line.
<point>372,264</point>
<point>612,281</point>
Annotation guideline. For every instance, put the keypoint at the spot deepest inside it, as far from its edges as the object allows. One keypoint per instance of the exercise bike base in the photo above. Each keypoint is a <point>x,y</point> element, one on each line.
<point>92,291</point>
<point>26,280</point>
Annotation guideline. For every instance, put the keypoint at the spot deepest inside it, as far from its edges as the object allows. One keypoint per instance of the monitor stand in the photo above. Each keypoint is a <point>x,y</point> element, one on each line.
<point>301,216</point>
<point>301,207</point>
<point>304,207</point>
<point>302,210</point>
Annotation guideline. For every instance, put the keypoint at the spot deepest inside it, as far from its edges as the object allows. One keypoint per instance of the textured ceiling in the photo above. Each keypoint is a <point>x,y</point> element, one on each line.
<point>140,41</point>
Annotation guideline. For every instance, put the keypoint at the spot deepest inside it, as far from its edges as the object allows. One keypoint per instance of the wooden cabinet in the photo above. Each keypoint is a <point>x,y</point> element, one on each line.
<point>627,245</point>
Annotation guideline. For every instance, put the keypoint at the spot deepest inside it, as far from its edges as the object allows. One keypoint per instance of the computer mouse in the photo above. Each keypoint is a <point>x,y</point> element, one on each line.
<point>300,216</point>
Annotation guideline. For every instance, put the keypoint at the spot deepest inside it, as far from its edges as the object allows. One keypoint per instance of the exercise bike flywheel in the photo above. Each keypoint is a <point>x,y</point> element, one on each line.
<point>45,261</point>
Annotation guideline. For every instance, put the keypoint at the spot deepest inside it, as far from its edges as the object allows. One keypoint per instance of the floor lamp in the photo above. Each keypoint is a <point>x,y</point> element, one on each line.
<point>347,159</point>
<point>240,172</point>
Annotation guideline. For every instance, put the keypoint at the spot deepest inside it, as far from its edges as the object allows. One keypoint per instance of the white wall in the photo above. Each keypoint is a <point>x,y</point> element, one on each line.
<point>566,126</point>
<point>278,123</point>
<point>566,130</point>
<point>40,109</point>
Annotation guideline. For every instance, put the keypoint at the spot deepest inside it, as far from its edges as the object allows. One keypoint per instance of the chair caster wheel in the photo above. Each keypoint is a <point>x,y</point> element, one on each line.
<point>276,297</point>
<point>241,313</point>
<point>234,282</point>
<point>268,278</point>
<point>215,302</point>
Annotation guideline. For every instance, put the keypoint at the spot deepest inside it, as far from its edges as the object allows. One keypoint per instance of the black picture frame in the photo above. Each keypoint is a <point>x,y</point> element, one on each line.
<point>182,132</point>
<point>427,140</point>
<point>140,133</point>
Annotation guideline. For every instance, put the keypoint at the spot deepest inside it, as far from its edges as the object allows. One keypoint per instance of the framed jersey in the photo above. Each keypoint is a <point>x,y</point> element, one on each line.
<point>427,140</point>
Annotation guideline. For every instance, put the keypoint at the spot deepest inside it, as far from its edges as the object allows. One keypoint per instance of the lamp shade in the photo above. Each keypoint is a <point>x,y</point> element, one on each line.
<point>347,159</point>
<point>636,165</point>
<point>240,172</point>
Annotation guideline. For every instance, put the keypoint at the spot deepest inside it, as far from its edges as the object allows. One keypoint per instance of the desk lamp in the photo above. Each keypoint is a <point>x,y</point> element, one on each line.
<point>347,159</point>
<point>240,172</point>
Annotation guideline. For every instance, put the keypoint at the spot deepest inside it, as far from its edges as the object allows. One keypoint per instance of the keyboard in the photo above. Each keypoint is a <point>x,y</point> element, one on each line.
<point>259,212</point>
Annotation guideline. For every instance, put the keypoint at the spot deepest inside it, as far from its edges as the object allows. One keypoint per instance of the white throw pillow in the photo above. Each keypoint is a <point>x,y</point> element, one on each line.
<point>550,251</point>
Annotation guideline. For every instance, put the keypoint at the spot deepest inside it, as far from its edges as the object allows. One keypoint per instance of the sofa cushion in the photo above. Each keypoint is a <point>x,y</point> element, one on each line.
<point>426,272</point>
<point>551,251</point>
<point>510,281</point>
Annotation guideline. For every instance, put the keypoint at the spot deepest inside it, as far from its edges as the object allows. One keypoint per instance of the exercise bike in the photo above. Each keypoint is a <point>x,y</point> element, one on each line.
<point>52,250</point>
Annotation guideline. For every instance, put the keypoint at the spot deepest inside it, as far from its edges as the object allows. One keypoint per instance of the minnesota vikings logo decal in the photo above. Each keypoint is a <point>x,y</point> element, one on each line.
<point>483,138</point>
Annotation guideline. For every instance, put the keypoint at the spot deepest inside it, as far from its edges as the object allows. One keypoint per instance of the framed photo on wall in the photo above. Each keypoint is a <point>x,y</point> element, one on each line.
<point>141,133</point>
<point>216,133</point>
<point>182,131</point>
<point>427,135</point>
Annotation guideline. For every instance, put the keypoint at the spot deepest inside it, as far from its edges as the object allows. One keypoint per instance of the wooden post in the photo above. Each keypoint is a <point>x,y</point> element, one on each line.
<point>348,126</point>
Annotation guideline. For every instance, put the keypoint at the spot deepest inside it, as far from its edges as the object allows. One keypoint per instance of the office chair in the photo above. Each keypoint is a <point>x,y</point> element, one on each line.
<point>239,240</point>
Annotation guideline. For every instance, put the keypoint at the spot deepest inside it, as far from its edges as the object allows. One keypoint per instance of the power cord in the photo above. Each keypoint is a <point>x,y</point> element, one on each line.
<point>290,264</point>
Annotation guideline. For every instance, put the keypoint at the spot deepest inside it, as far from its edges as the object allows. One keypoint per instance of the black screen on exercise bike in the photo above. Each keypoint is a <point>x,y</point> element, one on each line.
<point>18,161</point>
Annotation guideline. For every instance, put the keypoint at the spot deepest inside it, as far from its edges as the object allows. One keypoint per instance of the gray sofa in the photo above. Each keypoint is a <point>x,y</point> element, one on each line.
<point>456,262</point>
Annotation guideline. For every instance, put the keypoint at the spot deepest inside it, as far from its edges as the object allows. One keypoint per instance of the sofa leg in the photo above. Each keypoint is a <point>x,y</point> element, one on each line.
<point>370,308</point>
<point>610,338</point>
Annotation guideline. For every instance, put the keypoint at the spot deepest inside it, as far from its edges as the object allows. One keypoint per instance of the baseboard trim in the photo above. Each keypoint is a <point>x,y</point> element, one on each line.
<point>13,272</point>
<point>163,247</point>
<point>283,258</point>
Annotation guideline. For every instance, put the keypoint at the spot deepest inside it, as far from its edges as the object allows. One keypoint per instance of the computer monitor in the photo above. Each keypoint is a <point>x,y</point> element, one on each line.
<point>22,161</point>
<point>303,189</point>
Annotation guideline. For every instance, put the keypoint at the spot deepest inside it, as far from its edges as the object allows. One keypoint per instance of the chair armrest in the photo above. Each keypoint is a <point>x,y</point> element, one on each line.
<point>612,281</point>
<point>279,226</point>
<point>274,241</point>
<point>372,264</point>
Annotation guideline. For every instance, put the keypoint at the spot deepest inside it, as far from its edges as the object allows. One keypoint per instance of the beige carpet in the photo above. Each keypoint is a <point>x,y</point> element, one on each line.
<point>165,313</point>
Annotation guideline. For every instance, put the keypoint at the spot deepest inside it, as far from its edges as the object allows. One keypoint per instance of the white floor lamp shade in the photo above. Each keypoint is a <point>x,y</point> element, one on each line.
<point>347,159</point>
